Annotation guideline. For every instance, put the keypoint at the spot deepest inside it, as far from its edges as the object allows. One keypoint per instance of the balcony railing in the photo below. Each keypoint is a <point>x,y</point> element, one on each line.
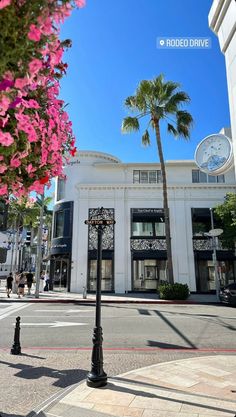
<point>206,244</point>
<point>148,244</point>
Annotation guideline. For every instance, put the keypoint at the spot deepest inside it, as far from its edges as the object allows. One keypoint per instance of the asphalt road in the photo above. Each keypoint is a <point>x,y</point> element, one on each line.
<point>124,326</point>
<point>56,344</point>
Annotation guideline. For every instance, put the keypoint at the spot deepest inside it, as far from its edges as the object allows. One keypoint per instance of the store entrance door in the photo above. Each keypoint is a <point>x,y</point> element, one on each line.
<point>60,275</point>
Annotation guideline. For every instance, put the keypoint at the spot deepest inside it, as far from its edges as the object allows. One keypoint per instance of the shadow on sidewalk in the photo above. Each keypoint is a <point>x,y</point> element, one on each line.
<point>146,394</point>
<point>64,377</point>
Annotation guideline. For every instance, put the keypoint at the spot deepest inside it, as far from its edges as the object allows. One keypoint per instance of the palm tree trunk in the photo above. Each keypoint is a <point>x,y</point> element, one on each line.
<point>165,201</point>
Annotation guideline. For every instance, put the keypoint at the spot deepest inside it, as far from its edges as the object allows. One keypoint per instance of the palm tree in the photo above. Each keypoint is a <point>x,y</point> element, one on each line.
<point>158,100</point>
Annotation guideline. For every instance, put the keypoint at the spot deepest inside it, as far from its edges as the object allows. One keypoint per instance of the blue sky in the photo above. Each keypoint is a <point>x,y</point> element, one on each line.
<point>114,48</point>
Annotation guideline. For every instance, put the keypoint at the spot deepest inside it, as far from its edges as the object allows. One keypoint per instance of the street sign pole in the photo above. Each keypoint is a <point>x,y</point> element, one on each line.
<point>97,377</point>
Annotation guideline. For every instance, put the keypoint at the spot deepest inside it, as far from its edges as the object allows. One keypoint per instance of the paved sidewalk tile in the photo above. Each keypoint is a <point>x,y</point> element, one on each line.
<point>183,388</point>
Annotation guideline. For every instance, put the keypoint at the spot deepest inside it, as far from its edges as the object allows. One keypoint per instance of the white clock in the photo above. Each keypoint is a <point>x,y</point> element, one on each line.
<point>214,154</point>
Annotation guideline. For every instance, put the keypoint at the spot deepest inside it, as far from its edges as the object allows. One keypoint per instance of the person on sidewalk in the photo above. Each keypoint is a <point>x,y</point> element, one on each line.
<point>46,281</point>
<point>9,284</point>
<point>41,282</point>
<point>29,280</point>
<point>21,285</point>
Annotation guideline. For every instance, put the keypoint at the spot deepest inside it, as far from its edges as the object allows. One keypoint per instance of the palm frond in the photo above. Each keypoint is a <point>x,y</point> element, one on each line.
<point>184,123</point>
<point>170,87</point>
<point>130,124</point>
<point>176,101</point>
<point>146,138</point>
<point>183,131</point>
<point>172,129</point>
<point>184,117</point>
<point>130,102</point>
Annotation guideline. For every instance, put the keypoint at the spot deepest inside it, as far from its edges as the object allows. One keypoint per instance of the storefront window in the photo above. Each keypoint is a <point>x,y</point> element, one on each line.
<point>160,229</point>
<point>59,224</point>
<point>142,229</point>
<point>148,273</point>
<point>107,275</point>
<point>60,188</point>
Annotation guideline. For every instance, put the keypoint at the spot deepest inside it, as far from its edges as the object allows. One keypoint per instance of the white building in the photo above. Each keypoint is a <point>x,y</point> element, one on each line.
<point>222,20</point>
<point>134,255</point>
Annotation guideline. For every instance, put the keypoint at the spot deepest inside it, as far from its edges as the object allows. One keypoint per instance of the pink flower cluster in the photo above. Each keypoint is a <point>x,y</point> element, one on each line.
<point>35,132</point>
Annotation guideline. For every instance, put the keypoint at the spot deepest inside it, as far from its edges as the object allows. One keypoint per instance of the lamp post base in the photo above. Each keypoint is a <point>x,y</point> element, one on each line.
<point>96,381</point>
<point>97,377</point>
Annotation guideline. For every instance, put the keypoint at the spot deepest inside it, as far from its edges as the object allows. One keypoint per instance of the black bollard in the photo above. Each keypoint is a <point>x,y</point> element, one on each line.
<point>16,348</point>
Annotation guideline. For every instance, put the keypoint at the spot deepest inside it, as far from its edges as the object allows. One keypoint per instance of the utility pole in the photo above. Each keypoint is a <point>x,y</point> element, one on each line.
<point>214,258</point>
<point>39,248</point>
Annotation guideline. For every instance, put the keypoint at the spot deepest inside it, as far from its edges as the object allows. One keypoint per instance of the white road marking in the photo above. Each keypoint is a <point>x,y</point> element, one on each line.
<point>55,324</point>
<point>13,308</point>
<point>63,311</point>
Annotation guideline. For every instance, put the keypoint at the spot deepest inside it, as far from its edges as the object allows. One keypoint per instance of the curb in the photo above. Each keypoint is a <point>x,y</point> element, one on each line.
<point>76,301</point>
<point>54,399</point>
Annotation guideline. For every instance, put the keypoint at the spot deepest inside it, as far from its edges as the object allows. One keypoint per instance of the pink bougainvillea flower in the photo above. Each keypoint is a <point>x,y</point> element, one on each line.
<point>15,103</point>
<point>80,3</point>
<point>34,33</point>
<point>4,104</point>
<point>36,186</point>
<point>21,82</point>
<point>31,104</point>
<point>3,188</point>
<point>30,168</point>
<point>15,162</point>
<point>4,84</point>
<point>4,120</point>
<point>4,3</point>
<point>46,27</point>
<point>3,168</point>
<point>35,65</point>
<point>6,139</point>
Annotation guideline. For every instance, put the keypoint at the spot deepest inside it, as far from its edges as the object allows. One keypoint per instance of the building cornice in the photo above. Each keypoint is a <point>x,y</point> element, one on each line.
<point>201,186</point>
<point>141,165</point>
<point>96,154</point>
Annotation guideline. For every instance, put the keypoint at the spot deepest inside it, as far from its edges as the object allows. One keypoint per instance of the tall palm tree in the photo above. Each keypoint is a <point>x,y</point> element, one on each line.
<point>158,100</point>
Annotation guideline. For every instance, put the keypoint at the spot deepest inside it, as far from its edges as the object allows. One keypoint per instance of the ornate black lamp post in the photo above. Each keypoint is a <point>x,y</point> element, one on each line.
<point>97,377</point>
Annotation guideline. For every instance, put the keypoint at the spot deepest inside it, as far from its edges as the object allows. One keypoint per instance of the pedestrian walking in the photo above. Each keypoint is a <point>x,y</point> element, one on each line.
<point>21,285</point>
<point>41,284</point>
<point>29,280</point>
<point>46,281</point>
<point>9,284</point>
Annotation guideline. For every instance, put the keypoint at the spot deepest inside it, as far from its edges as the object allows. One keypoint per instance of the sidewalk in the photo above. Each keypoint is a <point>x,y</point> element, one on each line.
<point>196,387</point>
<point>140,298</point>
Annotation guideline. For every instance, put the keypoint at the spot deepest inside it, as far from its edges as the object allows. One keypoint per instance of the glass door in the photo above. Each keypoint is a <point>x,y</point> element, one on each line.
<point>60,274</point>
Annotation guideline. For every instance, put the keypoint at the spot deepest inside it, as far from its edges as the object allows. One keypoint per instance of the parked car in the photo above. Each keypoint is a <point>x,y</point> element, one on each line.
<point>228,294</point>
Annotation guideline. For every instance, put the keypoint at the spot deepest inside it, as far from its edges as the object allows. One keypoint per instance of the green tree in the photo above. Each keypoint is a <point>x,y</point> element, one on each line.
<point>157,101</point>
<point>25,212</point>
<point>227,214</point>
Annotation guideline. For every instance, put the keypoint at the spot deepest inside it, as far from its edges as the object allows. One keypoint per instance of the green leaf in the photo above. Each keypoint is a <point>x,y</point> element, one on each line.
<point>146,138</point>
<point>171,129</point>
<point>130,124</point>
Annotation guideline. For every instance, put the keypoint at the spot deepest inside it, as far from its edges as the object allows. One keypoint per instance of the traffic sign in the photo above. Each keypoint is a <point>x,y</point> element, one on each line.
<point>98,222</point>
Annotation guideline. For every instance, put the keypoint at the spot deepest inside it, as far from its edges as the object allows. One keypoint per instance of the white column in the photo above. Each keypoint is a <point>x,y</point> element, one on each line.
<point>80,243</point>
<point>182,247</point>
<point>121,243</point>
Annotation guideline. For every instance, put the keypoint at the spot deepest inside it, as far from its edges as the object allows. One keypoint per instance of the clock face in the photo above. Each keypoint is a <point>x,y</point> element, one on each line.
<point>214,154</point>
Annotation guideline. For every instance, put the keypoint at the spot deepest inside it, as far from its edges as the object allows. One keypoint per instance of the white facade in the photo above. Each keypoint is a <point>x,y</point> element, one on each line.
<point>222,20</point>
<point>97,179</point>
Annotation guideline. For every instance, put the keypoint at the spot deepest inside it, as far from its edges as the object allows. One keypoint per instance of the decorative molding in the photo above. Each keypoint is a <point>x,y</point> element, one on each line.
<point>108,231</point>
<point>201,186</point>
<point>148,244</point>
<point>206,244</point>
